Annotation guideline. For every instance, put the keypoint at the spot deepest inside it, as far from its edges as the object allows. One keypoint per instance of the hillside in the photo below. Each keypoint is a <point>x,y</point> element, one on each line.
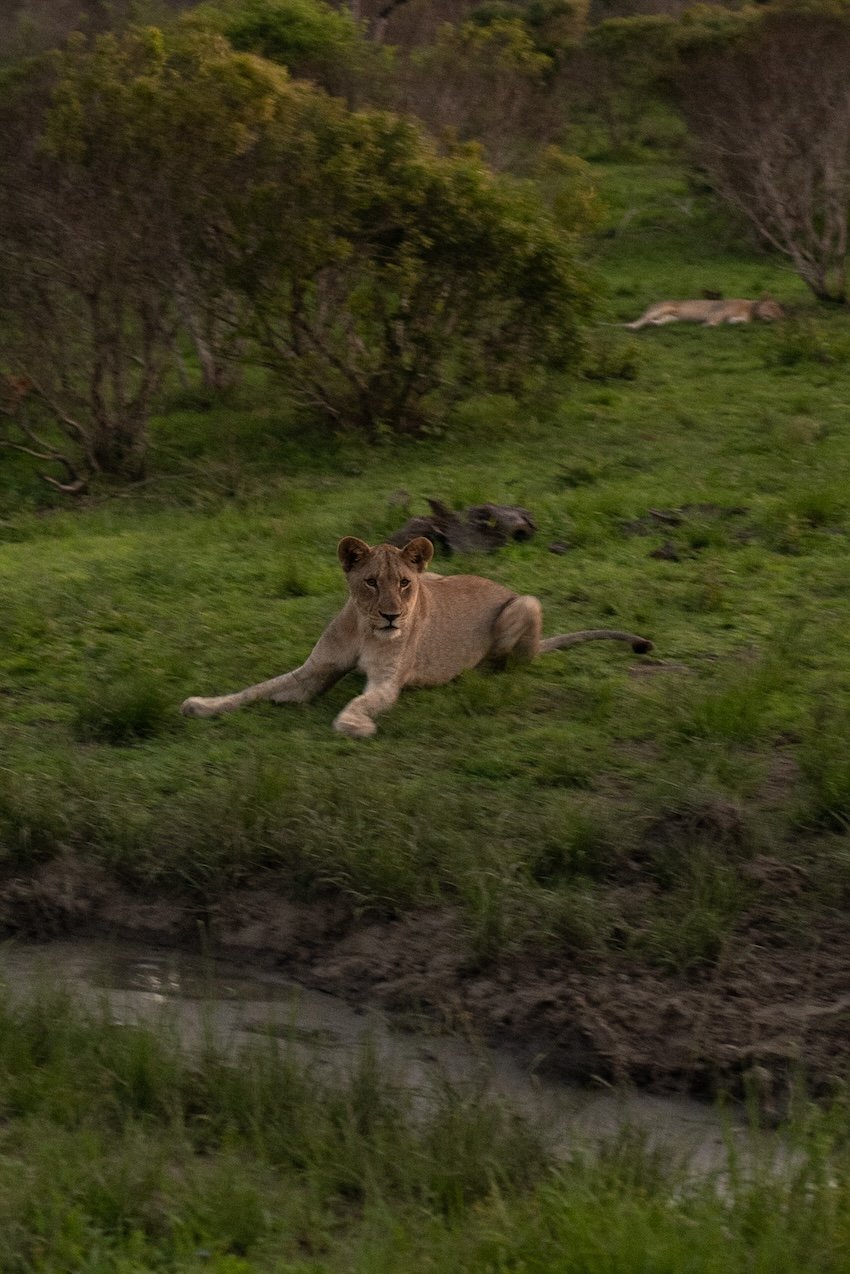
<point>570,852</point>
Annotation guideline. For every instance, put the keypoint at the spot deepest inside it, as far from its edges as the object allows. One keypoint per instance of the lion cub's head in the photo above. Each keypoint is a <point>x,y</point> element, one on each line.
<point>384,581</point>
<point>768,310</point>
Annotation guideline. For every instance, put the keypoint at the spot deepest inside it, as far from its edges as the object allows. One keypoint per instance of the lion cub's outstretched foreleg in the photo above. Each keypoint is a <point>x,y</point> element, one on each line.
<point>322,669</point>
<point>357,717</point>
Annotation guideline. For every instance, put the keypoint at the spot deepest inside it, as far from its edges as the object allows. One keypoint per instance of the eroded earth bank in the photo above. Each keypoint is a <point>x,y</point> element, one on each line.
<point>768,1017</point>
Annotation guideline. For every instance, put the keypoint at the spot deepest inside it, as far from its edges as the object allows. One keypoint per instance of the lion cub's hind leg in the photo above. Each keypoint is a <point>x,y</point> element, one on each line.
<point>517,630</point>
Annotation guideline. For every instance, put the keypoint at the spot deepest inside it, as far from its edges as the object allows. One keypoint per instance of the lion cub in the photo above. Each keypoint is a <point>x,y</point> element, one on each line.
<point>709,313</point>
<point>402,627</point>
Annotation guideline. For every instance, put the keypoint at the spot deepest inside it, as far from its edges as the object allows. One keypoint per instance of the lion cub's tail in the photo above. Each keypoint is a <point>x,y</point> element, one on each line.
<point>641,645</point>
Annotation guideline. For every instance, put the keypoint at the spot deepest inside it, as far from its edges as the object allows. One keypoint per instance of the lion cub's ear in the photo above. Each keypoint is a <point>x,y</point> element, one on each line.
<point>350,551</point>
<point>418,552</point>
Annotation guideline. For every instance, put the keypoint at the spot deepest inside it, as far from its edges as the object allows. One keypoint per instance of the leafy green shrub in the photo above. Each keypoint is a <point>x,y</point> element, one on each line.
<point>310,38</point>
<point>378,277</point>
<point>554,25</point>
<point>495,87</point>
<point>386,279</point>
<point>618,73</point>
<point>114,155</point>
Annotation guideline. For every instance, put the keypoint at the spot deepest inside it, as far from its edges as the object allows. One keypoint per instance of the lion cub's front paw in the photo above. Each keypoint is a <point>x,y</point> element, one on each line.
<point>198,707</point>
<point>355,727</point>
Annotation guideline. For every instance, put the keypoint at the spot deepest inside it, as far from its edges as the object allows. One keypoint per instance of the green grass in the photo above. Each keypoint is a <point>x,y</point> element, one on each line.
<point>117,1152</point>
<point>593,808</point>
<point>121,1154</point>
<point>527,800</point>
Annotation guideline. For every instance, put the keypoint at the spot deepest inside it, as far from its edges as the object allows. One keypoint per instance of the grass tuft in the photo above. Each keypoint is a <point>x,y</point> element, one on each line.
<point>800,341</point>
<point>124,712</point>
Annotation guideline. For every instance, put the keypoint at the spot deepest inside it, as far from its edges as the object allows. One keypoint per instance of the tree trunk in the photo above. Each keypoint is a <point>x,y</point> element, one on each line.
<point>120,449</point>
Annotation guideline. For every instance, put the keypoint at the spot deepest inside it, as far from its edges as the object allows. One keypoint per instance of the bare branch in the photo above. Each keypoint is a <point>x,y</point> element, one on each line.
<point>772,119</point>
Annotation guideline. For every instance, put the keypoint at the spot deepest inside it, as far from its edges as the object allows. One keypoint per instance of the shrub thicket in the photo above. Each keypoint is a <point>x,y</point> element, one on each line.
<point>310,38</point>
<point>156,180</point>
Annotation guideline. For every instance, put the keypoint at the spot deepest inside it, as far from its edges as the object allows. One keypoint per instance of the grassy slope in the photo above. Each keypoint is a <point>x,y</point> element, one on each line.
<point>529,798</point>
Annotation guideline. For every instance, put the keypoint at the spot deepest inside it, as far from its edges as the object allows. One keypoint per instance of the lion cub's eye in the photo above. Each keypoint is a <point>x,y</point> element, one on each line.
<point>372,582</point>
<point>404,583</point>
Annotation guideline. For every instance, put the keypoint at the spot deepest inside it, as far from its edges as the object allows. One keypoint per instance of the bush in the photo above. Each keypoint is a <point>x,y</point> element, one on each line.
<point>619,71</point>
<point>386,279</point>
<point>113,155</point>
<point>308,37</point>
<point>156,181</point>
<point>496,87</point>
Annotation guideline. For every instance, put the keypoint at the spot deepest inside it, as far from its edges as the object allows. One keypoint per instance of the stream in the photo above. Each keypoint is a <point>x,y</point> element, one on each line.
<point>198,997</point>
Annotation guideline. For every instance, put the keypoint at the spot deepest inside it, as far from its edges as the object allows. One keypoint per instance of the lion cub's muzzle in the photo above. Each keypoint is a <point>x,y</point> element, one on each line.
<point>390,626</point>
<point>387,630</point>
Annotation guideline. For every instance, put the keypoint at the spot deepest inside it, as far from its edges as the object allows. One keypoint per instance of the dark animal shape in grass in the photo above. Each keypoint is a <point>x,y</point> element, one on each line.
<point>482,528</point>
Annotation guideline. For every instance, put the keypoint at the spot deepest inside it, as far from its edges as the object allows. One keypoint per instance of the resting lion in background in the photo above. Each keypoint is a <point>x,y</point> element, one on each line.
<point>401,628</point>
<point>709,313</point>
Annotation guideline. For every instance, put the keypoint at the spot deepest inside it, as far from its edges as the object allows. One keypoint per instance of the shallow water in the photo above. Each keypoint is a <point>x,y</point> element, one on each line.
<point>198,998</point>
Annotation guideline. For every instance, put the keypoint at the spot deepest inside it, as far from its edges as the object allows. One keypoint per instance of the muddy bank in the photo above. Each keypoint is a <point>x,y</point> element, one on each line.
<point>197,1001</point>
<point>766,1016</point>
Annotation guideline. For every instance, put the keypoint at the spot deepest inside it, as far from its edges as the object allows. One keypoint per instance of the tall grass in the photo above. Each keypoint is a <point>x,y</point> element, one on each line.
<point>119,1153</point>
<point>115,1144</point>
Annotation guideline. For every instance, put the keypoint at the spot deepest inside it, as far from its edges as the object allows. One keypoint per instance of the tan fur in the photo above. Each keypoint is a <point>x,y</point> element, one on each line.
<point>401,628</point>
<point>709,313</point>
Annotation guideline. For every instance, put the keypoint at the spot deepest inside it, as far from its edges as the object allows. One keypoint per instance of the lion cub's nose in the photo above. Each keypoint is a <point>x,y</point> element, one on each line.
<point>389,618</point>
